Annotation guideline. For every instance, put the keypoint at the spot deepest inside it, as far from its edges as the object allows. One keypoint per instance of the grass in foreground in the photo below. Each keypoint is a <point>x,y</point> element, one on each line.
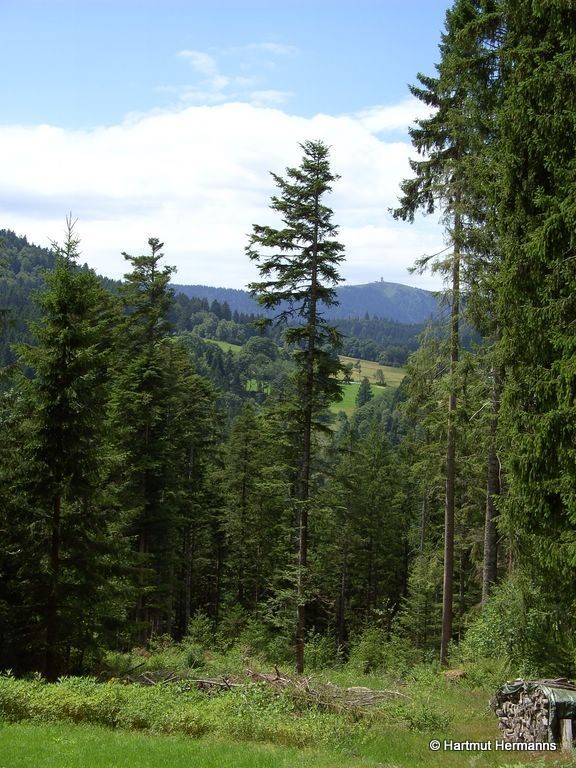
<point>23,745</point>
<point>53,726</point>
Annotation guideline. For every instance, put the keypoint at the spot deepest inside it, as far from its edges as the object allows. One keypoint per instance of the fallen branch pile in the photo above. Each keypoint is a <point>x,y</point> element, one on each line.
<point>323,695</point>
<point>327,695</point>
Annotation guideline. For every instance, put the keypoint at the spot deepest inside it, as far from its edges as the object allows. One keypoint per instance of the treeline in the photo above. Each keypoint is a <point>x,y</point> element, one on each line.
<point>494,429</point>
<point>132,498</point>
<point>25,265</point>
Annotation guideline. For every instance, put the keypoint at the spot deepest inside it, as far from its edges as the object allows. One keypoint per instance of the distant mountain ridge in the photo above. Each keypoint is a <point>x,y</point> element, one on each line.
<point>389,301</point>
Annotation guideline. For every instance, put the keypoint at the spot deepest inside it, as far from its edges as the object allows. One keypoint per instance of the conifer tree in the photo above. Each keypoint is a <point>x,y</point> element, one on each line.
<point>365,393</point>
<point>449,140</point>
<point>138,420</point>
<point>162,417</point>
<point>67,524</point>
<point>298,266</point>
<point>536,293</point>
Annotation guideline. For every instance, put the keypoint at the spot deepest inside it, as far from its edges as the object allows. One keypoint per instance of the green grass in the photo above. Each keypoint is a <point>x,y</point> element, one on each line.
<point>59,745</point>
<point>226,345</point>
<point>348,402</point>
<point>24,745</point>
<point>392,376</point>
<point>52,726</point>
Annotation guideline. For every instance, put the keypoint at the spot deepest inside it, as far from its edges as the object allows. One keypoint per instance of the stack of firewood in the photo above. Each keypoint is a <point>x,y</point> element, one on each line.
<point>523,709</point>
<point>524,716</point>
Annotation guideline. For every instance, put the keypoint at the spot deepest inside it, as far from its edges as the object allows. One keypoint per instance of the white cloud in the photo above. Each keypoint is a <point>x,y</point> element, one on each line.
<point>276,49</point>
<point>201,62</point>
<point>213,86</point>
<point>198,178</point>
<point>381,119</point>
<point>268,98</point>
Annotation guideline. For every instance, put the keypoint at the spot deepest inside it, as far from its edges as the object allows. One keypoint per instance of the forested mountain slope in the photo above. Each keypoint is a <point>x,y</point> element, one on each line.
<point>389,301</point>
<point>226,314</point>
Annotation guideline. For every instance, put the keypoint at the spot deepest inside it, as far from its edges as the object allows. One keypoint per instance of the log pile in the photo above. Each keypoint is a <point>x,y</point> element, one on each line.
<point>524,717</point>
<point>523,709</point>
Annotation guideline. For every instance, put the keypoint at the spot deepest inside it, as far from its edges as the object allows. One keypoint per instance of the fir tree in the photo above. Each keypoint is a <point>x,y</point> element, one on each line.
<point>365,393</point>
<point>68,524</point>
<point>537,294</point>
<point>450,140</point>
<point>298,266</point>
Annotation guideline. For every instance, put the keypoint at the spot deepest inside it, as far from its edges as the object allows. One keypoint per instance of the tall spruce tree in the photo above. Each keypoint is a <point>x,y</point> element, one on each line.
<point>449,141</point>
<point>162,419</point>
<point>66,523</point>
<point>139,423</point>
<point>298,265</point>
<point>537,295</point>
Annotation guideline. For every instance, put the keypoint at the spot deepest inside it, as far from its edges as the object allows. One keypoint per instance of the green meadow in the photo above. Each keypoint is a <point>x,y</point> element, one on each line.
<point>79,723</point>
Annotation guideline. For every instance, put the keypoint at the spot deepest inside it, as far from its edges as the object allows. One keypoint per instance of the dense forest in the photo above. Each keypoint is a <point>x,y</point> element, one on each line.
<point>150,481</point>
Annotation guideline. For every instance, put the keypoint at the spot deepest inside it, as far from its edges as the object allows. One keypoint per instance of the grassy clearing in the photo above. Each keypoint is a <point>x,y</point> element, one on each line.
<point>392,376</point>
<point>53,726</point>
<point>350,392</point>
<point>226,346</point>
<point>24,745</point>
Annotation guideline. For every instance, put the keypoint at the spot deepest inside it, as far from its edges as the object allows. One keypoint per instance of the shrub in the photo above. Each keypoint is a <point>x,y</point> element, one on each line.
<point>255,713</point>
<point>321,652</point>
<point>517,627</point>
<point>375,651</point>
<point>423,716</point>
<point>200,630</point>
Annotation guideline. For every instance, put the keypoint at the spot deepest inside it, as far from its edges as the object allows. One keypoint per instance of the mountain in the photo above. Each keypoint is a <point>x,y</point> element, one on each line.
<point>389,301</point>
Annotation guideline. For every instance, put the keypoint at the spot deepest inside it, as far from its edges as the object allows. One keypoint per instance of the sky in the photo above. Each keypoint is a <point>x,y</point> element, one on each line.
<point>164,118</point>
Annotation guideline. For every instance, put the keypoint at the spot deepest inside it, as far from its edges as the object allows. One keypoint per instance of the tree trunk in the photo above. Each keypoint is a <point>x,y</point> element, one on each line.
<point>51,670</point>
<point>303,490</point>
<point>490,563</point>
<point>448,580</point>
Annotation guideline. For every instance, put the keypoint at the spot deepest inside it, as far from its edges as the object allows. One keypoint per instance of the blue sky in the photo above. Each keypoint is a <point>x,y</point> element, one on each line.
<point>164,119</point>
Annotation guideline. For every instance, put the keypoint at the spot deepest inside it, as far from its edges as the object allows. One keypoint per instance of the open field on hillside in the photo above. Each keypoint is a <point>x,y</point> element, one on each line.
<point>360,368</point>
<point>226,345</point>
<point>348,402</point>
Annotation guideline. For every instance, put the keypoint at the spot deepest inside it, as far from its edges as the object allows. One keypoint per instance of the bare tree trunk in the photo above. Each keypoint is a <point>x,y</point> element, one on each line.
<point>51,670</point>
<point>303,489</point>
<point>448,580</point>
<point>490,562</point>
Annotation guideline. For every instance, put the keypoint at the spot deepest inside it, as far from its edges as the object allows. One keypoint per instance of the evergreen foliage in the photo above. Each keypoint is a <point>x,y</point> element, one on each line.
<point>61,522</point>
<point>298,265</point>
<point>536,293</point>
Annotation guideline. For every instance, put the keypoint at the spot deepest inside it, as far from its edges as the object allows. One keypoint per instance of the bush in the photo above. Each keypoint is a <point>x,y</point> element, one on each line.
<point>321,652</point>
<point>375,651</point>
<point>201,630</point>
<point>423,717</point>
<point>517,630</point>
<point>255,713</point>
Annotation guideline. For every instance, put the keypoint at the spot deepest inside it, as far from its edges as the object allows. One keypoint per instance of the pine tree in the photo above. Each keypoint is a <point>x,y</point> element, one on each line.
<point>163,422</point>
<point>257,502</point>
<point>139,423</point>
<point>68,526</point>
<point>365,393</point>
<point>298,265</point>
